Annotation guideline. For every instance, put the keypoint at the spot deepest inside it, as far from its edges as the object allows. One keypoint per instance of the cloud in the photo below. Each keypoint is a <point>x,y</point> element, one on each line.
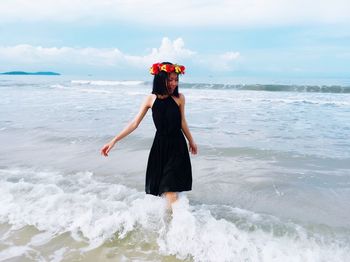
<point>37,57</point>
<point>174,51</point>
<point>218,62</point>
<point>29,55</point>
<point>181,13</point>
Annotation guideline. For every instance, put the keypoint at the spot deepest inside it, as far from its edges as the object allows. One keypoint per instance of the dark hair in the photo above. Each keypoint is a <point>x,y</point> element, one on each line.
<point>160,83</point>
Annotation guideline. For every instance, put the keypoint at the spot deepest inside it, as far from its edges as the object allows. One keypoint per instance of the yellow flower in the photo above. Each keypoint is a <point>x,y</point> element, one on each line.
<point>177,69</point>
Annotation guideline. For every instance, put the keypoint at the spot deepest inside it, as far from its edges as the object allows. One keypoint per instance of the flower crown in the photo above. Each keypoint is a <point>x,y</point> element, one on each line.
<point>157,67</point>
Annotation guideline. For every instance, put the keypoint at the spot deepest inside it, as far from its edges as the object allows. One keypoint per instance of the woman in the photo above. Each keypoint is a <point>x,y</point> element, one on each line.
<point>169,166</point>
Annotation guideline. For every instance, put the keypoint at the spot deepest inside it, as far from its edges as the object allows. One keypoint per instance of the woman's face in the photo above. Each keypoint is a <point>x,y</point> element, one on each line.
<point>173,80</point>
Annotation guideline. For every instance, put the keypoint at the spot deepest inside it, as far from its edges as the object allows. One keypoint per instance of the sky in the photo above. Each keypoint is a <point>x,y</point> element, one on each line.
<point>218,41</point>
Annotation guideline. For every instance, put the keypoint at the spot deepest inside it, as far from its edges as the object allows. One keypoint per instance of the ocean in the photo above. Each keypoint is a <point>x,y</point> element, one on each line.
<point>271,181</point>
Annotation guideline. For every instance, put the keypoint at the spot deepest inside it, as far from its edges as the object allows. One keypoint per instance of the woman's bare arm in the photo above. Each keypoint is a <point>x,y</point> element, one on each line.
<point>147,103</point>
<point>184,126</point>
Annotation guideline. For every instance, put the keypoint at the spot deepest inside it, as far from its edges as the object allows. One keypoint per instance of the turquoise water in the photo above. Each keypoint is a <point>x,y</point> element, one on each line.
<point>271,180</point>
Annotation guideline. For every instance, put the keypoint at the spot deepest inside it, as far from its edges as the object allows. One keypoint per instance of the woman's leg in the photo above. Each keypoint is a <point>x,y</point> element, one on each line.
<point>171,197</point>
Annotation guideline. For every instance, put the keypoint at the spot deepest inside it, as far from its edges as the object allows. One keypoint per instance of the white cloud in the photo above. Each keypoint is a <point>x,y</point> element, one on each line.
<point>230,56</point>
<point>181,13</point>
<point>37,57</point>
<point>173,51</point>
<point>29,55</point>
<point>219,62</point>
<point>226,60</point>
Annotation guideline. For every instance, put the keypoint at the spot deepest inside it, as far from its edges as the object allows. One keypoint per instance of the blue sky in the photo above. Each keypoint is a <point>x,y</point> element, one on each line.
<point>218,41</point>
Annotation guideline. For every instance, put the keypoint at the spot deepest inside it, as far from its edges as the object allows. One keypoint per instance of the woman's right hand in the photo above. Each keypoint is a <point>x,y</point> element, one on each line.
<point>106,148</point>
<point>193,148</point>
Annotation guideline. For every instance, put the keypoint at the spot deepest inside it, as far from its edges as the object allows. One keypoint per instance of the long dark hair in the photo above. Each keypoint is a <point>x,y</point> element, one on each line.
<point>160,83</point>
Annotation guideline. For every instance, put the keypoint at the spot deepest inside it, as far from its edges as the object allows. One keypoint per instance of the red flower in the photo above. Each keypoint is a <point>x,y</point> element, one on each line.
<point>157,67</point>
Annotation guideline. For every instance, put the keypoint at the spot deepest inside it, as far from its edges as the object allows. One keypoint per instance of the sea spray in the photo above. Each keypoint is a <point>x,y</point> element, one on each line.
<point>95,212</point>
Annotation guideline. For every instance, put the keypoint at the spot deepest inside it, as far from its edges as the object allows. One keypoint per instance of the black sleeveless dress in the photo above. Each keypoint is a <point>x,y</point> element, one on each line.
<point>169,165</point>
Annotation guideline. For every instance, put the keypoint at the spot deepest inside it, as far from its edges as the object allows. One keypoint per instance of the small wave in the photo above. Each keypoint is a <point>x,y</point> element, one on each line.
<point>305,101</point>
<point>106,83</point>
<point>79,89</point>
<point>295,101</point>
<point>97,212</point>
<point>276,88</point>
<point>59,86</point>
<point>85,90</point>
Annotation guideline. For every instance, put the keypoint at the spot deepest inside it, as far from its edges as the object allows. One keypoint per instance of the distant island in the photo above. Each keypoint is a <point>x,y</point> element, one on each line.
<point>29,73</point>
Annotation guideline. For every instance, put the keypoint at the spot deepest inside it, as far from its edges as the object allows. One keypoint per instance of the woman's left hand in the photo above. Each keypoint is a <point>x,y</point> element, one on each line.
<point>193,148</point>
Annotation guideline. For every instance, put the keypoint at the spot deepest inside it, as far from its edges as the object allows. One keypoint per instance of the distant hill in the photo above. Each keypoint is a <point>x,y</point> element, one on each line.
<point>29,73</point>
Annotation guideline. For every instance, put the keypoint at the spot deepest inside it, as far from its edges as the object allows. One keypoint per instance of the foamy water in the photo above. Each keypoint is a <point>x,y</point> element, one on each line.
<point>93,213</point>
<point>271,181</point>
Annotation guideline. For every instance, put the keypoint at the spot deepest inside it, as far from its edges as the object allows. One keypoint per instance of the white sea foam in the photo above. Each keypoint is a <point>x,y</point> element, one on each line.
<point>194,232</point>
<point>90,90</point>
<point>41,239</point>
<point>78,204</point>
<point>58,255</point>
<point>259,98</point>
<point>13,252</point>
<point>95,212</point>
<point>59,86</point>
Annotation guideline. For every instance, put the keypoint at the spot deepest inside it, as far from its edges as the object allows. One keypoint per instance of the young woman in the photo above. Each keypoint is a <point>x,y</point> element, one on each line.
<point>169,167</point>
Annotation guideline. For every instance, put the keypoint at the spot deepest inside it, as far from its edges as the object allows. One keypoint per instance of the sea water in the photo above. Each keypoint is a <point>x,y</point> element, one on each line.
<point>271,181</point>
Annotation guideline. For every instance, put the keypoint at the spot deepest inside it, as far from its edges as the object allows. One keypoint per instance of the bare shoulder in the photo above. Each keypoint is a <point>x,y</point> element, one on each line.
<point>182,98</point>
<point>149,99</point>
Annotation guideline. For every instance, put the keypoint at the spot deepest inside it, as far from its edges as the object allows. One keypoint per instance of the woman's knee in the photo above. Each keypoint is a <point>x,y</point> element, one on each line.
<point>172,196</point>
